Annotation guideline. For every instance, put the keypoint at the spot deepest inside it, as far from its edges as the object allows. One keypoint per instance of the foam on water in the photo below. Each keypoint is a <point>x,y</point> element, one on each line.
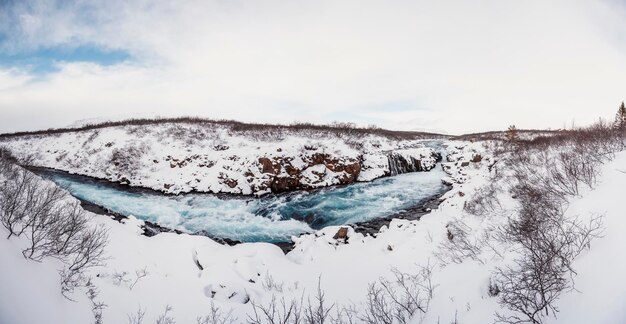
<point>269,219</point>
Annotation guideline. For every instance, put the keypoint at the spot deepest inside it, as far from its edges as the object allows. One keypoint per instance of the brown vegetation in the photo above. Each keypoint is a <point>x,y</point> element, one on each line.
<point>338,128</point>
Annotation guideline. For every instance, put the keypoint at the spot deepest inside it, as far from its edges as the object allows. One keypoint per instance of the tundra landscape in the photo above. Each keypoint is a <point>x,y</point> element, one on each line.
<point>325,162</point>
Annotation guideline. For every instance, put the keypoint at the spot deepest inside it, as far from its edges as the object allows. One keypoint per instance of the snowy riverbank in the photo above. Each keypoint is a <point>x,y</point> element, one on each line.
<point>178,157</point>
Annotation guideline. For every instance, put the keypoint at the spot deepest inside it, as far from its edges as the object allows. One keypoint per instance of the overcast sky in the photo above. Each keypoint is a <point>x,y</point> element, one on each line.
<point>451,66</point>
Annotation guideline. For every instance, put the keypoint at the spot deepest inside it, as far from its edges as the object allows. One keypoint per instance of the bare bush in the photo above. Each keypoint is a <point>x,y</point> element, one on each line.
<point>277,312</point>
<point>217,316</point>
<point>165,318</point>
<point>537,278</point>
<point>293,311</point>
<point>460,244</point>
<point>96,306</point>
<point>137,318</point>
<point>128,159</point>
<point>401,299</point>
<point>139,274</point>
<point>270,284</point>
<point>251,129</point>
<point>545,239</point>
<point>54,225</point>
<point>318,311</point>
<point>483,201</point>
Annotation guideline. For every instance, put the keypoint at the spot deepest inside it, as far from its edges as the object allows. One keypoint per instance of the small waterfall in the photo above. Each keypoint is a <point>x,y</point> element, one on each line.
<point>399,164</point>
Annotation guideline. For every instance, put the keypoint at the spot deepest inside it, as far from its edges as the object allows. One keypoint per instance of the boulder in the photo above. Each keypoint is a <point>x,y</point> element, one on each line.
<point>342,234</point>
<point>266,165</point>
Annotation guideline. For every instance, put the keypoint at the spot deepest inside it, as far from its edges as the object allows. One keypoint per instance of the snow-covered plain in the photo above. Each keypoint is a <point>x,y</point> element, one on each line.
<point>233,274</point>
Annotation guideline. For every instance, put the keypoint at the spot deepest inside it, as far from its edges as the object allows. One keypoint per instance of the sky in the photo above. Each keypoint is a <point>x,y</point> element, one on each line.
<point>445,66</point>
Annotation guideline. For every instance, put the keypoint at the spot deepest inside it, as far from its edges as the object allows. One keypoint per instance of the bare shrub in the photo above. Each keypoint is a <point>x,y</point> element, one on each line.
<point>277,311</point>
<point>546,173</point>
<point>270,284</point>
<point>96,306</point>
<point>85,252</point>
<point>165,318</point>
<point>217,316</point>
<point>53,225</point>
<point>460,244</point>
<point>91,137</point>
<point>398,301</point>
<point>17,192</point>
<point>271,130</point>
<point>537,278</point>
<point>137,318</point>
<point>483,201</point>
<point>293,311</point>
<point>318,312</point>
<point>128,159</point>
<point>139,274</point>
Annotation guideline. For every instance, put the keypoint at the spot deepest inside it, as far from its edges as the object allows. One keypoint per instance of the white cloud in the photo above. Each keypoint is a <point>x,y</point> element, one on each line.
<point>463,65</point>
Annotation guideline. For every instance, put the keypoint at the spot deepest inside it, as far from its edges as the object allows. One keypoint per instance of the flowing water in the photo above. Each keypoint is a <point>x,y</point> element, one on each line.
<point>272,218</point>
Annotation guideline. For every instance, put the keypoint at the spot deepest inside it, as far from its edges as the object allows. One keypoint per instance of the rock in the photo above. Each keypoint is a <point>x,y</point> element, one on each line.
<point>282,184</point>
<point>221,147</point>
<point>231,182</point>
<point>447,181</point>
<point>266,165</point>
<point>342,234</point>
<point>476,158</point>
<point>465,163</point>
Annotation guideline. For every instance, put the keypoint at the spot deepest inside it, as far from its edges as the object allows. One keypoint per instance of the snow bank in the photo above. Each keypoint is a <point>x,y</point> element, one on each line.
<point>191,272</point>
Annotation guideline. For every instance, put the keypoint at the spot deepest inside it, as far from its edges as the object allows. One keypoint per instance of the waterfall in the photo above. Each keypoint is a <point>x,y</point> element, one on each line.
<point>412,160</point>
<point>399,164</point>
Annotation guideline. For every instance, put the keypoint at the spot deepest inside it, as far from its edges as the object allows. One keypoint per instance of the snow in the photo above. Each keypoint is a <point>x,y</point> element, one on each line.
<point>600,295</point>
<point>30,291</point>
<point>178,157</point>
<point>230,273</point>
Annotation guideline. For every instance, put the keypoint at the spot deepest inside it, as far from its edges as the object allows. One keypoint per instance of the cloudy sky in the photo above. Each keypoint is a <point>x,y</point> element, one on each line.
<point>453,66</point>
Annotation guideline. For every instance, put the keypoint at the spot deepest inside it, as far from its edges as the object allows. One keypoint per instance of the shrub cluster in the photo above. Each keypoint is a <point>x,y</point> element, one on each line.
<point>270,130</point>
<point>53,225</point>
<point>546,173</point>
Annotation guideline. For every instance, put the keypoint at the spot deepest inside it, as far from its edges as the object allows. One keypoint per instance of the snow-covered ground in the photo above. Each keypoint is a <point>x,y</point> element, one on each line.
<point>231,275</point>
<point>180,157</point>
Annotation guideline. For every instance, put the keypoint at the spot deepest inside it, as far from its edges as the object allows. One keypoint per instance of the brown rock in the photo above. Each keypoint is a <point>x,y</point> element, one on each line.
<point>231,182</point>
<point>476,158</point>
<point>266,165</point>
<point>282,184</point>
<point>342,234</point>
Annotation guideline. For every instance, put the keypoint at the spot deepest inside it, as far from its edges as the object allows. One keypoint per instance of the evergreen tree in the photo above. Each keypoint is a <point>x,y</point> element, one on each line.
<point>620,117</point>
<point>511,133</point>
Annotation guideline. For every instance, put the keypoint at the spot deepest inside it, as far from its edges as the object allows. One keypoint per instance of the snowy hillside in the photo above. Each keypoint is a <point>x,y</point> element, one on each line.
<point>486,254</point>
<point>212,157</point>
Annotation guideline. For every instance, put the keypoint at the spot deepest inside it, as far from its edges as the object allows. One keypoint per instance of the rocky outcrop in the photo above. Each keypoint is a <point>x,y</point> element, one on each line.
<point>406,161</point>
<point>307,172</point>
<point>322,169</point>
